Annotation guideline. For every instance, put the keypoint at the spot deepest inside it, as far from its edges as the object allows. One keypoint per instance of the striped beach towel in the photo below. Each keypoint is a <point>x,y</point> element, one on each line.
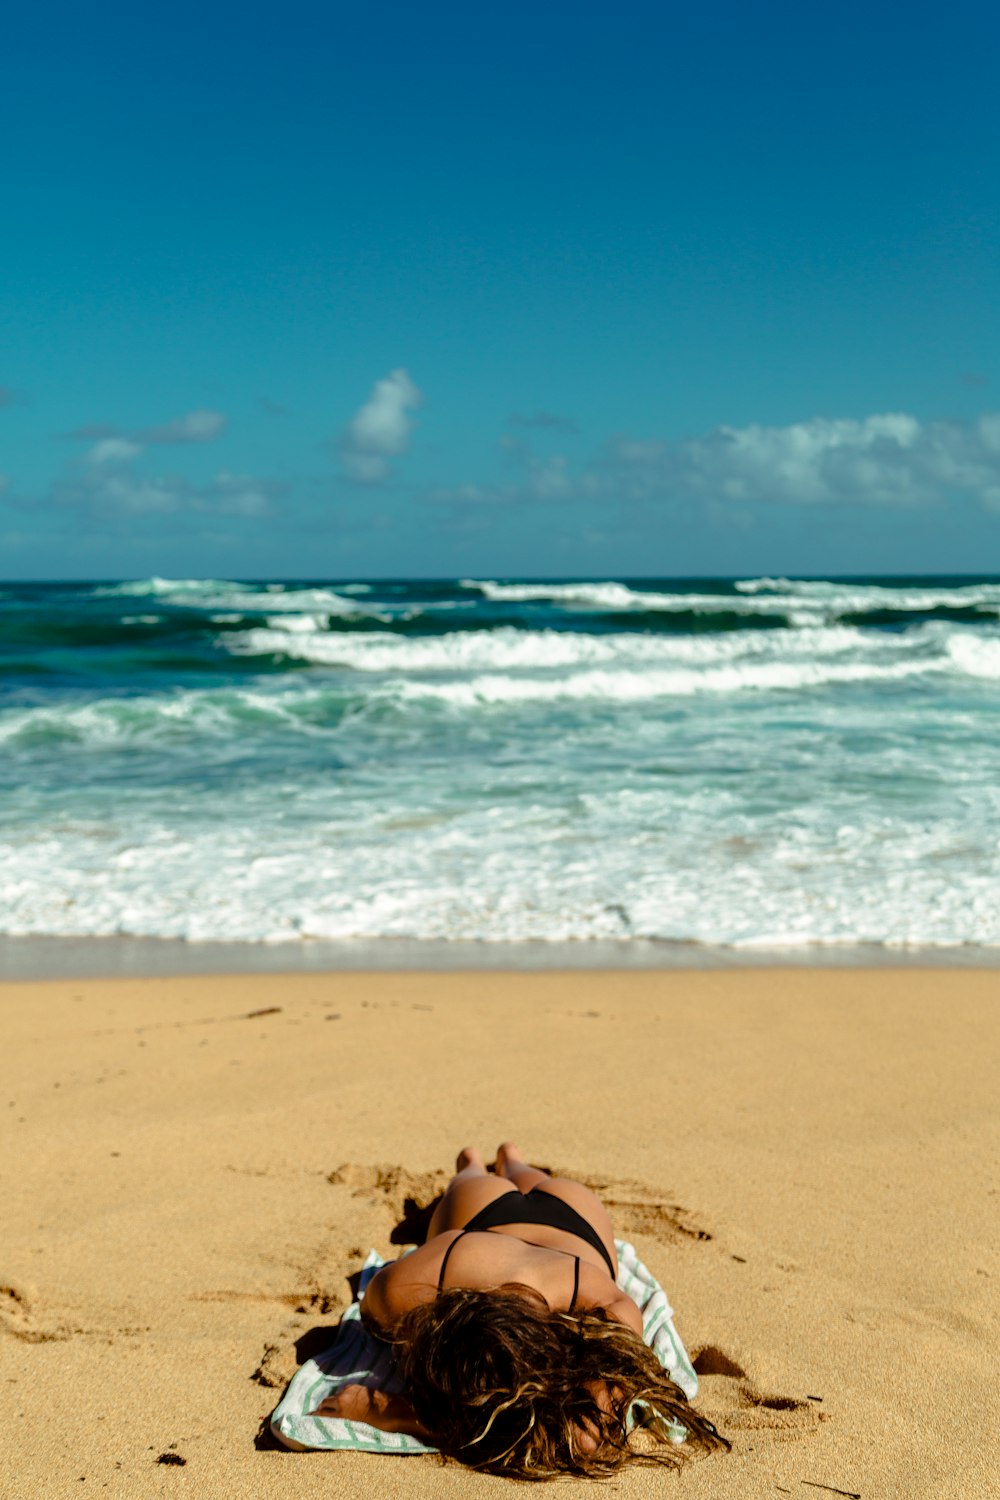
<point>355,1357</point>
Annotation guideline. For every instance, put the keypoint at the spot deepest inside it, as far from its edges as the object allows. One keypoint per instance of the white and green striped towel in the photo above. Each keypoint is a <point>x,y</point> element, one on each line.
<point>355,1357</point>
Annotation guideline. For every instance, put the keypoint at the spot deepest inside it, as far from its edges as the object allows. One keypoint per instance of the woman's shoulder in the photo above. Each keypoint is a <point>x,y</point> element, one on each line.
<point>483,1262</point>
<point>401,1284</point>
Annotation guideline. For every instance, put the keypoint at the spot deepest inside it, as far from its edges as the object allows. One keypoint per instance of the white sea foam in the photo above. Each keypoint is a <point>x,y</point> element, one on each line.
<point>160,720</point>
<point>625,686</point>
<point>820,596</point>
<point>142,588</point>
<point>319,602</point>
<point>292,624</point>
<point>821,784</point>
<point>222,594</point>
<point>977,655</point>
<point>614,596</point>
<point>804,601</point>
<point>507,648</point>
<point>295,601</point>
<point>508,665</point>
<point>593,595</point>
<point>470,670</point>
<point>615,863</point>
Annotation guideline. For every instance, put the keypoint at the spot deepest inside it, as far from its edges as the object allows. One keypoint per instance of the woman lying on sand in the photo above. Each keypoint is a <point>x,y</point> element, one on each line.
<point>519,1353</point>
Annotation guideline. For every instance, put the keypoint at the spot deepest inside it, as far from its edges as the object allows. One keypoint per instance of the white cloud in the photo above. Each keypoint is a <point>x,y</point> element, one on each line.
<point>549,478</point>
<point>239,494</point>
<point>116,489</point>
<point>91,432</point>
<point>542,479</point>
<point>380,429</point>
<point>200,426</point>
<point>109,481</point>
<point>544,419</point>
<point>889,459</point>
<point>114,444</point>
<point>468,495</point>
<point>114,450</point>
<point>137,495</point>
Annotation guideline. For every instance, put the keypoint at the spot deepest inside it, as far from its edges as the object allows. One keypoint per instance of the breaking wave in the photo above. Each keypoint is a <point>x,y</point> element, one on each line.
<point>756,762</point>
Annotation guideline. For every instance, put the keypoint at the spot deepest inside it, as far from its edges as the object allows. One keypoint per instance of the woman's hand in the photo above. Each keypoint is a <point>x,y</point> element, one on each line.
<point>362,1403</point>
<point>587,1434</point>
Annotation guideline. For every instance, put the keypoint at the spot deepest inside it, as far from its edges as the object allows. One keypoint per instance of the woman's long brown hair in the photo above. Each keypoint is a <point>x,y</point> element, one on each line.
<point>503,1384</point>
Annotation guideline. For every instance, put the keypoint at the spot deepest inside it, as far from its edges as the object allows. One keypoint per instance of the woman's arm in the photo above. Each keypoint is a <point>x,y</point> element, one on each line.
<point>403,1284</point>
<point>597,1290</point>
<point>362,1403</point>
<point>391,1293</point>
<point>624,1310</point>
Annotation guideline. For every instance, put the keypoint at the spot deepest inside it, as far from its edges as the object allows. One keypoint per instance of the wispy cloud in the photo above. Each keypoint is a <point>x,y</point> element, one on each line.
<point>92,432</point>
<point>380,430</point>
<point>201,426</point>
<point>240,494</point>
<point>8,397</point>
<point>541,479</point>
<point>549,478</point>
<point>110,477</point>
<point>115,488</point>
<point>113,450</point>
<point>542,419</point>
<point>891,459</point>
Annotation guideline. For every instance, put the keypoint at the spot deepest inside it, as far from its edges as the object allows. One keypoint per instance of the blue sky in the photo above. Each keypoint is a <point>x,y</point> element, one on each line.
<point>544,289</point>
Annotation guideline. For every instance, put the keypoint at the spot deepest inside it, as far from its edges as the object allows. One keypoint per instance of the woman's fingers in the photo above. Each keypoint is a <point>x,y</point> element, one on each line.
<point>350,1401</point>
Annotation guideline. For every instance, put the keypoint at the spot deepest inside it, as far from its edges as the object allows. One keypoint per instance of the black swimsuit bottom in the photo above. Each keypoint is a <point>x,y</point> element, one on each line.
<point>536,1207</point>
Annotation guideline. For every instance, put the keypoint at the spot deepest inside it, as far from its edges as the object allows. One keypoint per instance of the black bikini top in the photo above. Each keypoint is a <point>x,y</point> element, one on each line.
<point>462,1233</point>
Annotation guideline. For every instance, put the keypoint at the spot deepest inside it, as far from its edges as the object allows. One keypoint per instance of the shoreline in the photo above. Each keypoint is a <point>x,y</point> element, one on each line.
<point>40,958</point>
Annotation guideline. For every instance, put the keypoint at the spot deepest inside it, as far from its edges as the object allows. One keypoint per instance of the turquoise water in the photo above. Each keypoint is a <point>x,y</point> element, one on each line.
<point>756,763</point>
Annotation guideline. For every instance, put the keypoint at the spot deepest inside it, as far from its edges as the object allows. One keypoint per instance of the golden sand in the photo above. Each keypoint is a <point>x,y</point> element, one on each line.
<point>807,1159</point>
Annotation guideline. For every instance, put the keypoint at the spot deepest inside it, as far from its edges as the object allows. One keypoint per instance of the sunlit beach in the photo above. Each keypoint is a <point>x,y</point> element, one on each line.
<point>499,812</point>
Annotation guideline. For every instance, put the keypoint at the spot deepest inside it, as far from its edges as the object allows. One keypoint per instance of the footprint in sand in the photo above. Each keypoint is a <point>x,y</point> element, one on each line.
<point>15,1309</point>
<point>637,1208</point>
<point>276,1367</point>
<point>319,1300</point>
<point>409,1196</point>
<point>388,1181</point>
<point>729,1397</point>
<point>17,1315</point>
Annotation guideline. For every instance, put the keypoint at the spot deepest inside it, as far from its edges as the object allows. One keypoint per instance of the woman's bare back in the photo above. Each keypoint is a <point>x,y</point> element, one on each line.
<point>562,1268</point>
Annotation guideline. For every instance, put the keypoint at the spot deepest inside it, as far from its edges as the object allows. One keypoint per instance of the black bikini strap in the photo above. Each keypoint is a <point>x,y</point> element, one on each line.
<point>576,1281</point>
<point>447,1257</point>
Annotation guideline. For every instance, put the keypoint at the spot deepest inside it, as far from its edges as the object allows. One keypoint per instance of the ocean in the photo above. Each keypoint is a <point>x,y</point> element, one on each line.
<point>749,764</point>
